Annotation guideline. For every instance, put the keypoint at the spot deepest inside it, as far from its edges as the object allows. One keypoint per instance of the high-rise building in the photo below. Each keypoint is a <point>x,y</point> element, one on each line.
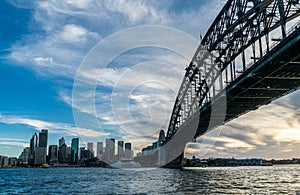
<point>24,157</point>
<point>41,150</point>
<point>53,154</point>
<point>110,150</point>
<point>33,144</point>
<point>74,150</point>
<point>63,153</point>
<point>128,153</point>
<point>100,150</point>
<point>83,153</point>
<point>90,148</point>
<point>120,150</point>
<point>43,138</point>
<point>61,142</point>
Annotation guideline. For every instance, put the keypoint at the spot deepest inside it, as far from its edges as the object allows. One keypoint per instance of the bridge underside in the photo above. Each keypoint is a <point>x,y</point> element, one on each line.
<point>273,76</point>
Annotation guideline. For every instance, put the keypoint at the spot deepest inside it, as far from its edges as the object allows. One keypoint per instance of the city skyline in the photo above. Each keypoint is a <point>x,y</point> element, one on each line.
<point>42,49</point>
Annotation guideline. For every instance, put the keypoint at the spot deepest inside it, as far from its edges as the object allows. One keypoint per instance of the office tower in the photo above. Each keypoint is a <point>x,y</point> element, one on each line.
<point>33,144</point>
<point>120,150</point>
<point>43,138</point>
<point>63,153</point>
<point>90,148</point>
<point>83,153</point>
<point>61,142</point>
<point>53,154</point>
<point>74,150</point>
<point>41,150</point>
<point>24,157</point>
<point>100,150</point>
<point>110,150</point>
<point>128,151</point>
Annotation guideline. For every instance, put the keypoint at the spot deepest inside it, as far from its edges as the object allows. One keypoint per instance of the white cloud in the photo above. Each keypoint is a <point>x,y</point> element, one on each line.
<point>57,128</point>
<point>76,34</point>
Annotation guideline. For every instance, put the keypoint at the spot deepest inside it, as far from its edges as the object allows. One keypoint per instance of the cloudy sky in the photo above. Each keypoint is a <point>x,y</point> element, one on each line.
<point>99,69</point>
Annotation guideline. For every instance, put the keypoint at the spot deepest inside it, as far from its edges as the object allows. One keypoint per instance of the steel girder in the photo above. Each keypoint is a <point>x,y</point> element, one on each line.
<point>240,25</point>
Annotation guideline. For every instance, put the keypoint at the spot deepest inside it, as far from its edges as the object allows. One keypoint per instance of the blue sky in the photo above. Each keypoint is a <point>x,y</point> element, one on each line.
<point>45,44</point>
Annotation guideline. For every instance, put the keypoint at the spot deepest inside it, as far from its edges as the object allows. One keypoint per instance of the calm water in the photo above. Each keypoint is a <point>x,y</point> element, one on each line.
<point>229,180</point>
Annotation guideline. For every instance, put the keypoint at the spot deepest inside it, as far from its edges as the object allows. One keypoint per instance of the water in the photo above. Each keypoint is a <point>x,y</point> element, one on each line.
<point>229,180</point>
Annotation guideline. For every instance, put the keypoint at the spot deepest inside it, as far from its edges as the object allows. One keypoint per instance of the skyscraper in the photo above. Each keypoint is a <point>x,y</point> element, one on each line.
<point>24,157</point>
<point>100,150</point>
<point>33,146</point>
<point>43,138</point>
<point>74,150</point>
<point>120,150</point>
<point>110,150</point>
<point>128,151</point>
<point>33,143</point>
<point>63,153</point>
<point>41,150</point>
<point>61,142</point>
<point>90,148</point>
<point>53,154</point>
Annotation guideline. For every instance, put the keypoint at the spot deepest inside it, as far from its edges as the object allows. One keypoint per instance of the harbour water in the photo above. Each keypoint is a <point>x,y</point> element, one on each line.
<point>277,179</point>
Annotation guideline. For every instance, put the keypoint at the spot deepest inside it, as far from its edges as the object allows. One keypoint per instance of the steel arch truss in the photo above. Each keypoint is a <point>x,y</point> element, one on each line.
<point>241,25</point>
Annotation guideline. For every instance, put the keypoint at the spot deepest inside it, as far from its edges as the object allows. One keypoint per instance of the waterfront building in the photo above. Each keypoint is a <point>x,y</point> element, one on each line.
<point>61,142</point>
<point>24,156</point>
<point>74,150</point>
<point>90,148</point>
<point>13,161</point>
<point>120,154</point>
<point>63,153</point>
<point>83,153</point>
<point>100,150</point>
<point>41,150</point>
<point>53,154</point>
<point>33,146</point>
<point>128,152</point>
<point>43,138</point>
<point>110,150</point>
<point>5,161</point>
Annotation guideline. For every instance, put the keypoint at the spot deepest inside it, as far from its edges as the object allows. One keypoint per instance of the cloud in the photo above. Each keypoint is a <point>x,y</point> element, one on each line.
<point>255,135</point>
<point>56,128</point>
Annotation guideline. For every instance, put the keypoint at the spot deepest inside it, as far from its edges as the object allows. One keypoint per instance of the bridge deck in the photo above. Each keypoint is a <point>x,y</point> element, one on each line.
<point>274,75</point>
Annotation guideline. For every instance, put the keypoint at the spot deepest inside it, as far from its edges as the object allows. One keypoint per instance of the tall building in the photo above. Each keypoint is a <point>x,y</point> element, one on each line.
<point>61,142</point>
<point>90,148</point>
<point>41,150</point>
<point>63,153</point>
<point>53,154</point>
<point>110,150</point>
<point>83,153</point>
<point>74,150</point>
<point>43,138</point>
<point>100,150</point>
<point>128,152</point>
<point>120,150</point>
<point>33,144</point>
<point>24,157</point>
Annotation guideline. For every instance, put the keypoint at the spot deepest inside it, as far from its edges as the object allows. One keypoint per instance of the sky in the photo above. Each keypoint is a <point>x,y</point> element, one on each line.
<point>111,69</point>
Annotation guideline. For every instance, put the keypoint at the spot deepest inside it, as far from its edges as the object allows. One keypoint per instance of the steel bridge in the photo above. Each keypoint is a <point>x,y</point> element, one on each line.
<point>247,59</point>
